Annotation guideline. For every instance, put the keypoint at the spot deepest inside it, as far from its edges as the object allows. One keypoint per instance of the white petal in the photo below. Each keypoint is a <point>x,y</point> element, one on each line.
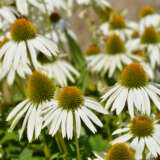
<point>70,125</point>
<point>31,124</point>
<point>86,120</point>
<point>92,116</point>
<point>121,130</point>
<point>122,139</point>
<point>16,110</point>
<point>78,123</point>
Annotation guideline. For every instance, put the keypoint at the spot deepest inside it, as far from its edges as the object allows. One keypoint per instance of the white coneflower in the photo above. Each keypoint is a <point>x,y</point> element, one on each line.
<point>119,151</point>
<point>22,49</point>
<point>119,26</point>
<point>115,56</point>
<point>133,89</point>
<point>149,41</point>
<point>68,110</point>
<point>141,133</point>
<point>40,91</point>
<point>58,26</point>
<point>148,17</point>
<point>59,69</point>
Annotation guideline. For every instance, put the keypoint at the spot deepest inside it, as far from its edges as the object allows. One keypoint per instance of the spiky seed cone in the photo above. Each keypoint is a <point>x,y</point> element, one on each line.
<point>114,45</point>
<point>22,30</point>
<point>150,36</point>
<point>92,50</point>
<point>40,88</point>
<point>117,22</point>
<point>145,11</point>
<point>70,98</point>
<point>120,151</point>
<point>134,76</point>
<point>141,127</point>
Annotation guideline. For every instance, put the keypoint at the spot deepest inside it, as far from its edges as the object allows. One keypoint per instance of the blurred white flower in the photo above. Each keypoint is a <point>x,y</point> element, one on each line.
<point>141,133</point>
<point>149,42</point>
<point>118,25</point>
<point>8,14</point>
<point>68,110</point>
<point>23,5</point>
<point>148,17</point>
<point>58,27</point>
<point>61,71</point>
<point>100,3</point>
<point>115,56</point>
<point>134,90</point>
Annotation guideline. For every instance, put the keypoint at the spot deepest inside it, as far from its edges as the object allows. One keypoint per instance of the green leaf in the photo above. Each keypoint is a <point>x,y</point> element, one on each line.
<point>97,143</point>
<point>9,136</point>
<point>26,154</point>
<point>79,62</point>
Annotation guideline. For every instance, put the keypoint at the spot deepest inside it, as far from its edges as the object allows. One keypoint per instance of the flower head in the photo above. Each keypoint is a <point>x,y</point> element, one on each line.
<point>134,76</point>
<point>150,36</point>
<point>92,50</point>
<point>55,17</point>
<point>117,22</point>
<point>120,151</point>
<point>114,45</point>
<point>142,127</point>
<point>70,98</point>
<point>145,11</point>
<point>22,30</point>
<point>40,88</point>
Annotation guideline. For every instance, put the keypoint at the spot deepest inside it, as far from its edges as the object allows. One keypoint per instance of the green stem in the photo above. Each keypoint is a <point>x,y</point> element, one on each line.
<point>144,155</point>
<point>29,56</point>
<point>62,143</point>
<point>46,150</point>
<point>76,139</point>
<point>58,143</point>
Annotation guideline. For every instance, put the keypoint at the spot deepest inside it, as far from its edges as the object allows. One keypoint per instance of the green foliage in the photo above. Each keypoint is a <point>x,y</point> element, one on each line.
<point>97,143</point>
<point>79,62</point>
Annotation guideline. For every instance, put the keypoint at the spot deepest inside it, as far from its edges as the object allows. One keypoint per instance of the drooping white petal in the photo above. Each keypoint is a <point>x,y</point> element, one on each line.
<point>121,130</point>
<point>70,125</point>
<point>86,120</point>
<point>92,116</point>
<point>31,124</point>
<point>122,139</point>
<point>16,110</point>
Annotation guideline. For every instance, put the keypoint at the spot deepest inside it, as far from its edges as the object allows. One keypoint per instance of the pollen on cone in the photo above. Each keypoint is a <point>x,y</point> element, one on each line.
<point>22,30</point>
<point>40,88</point>
<point>150,36</point>
<point>70,98</point>
<point>145,11</point>
<point>117,22</point>
<point>141,126</point>
<point>134,76</point>
<point>114,45</point>
<point>120,151</point>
